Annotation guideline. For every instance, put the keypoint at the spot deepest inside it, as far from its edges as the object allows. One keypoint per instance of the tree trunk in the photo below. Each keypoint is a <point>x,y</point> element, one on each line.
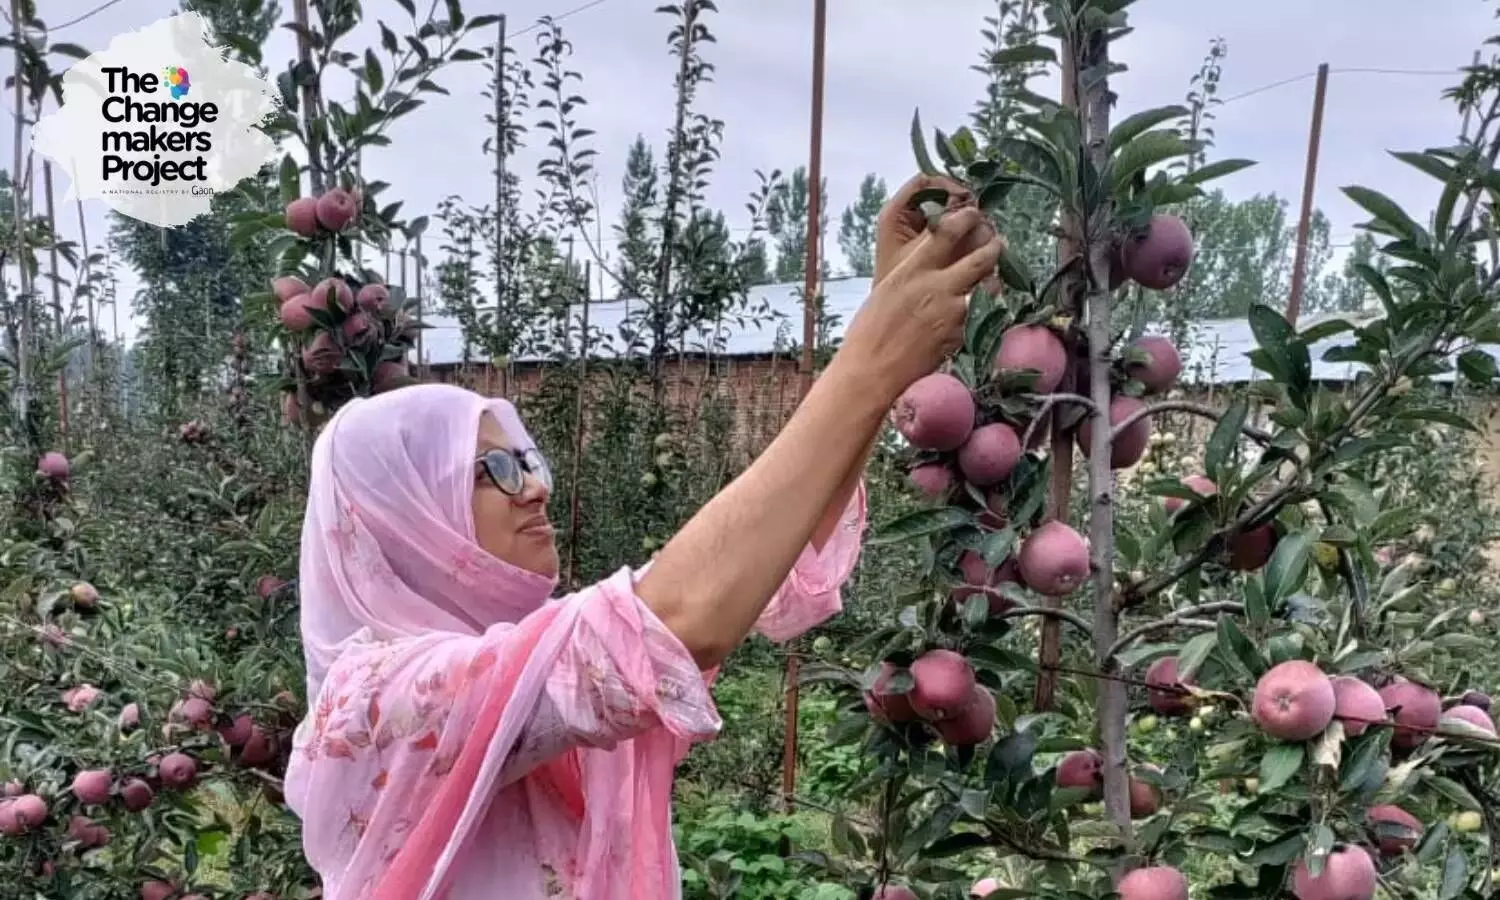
<point>1112,706</point>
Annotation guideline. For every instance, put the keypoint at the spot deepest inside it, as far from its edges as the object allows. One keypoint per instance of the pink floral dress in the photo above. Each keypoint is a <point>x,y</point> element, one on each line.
<point>616,709</point>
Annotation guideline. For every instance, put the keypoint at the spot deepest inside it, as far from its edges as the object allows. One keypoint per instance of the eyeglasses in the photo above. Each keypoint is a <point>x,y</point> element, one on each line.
<point>507,469</point>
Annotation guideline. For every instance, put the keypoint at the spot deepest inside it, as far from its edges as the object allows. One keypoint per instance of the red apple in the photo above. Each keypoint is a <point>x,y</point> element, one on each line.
<point>1294,701</point>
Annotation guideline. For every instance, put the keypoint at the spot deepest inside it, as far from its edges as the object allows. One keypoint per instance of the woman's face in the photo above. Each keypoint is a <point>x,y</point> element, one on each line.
<point>515,529</point>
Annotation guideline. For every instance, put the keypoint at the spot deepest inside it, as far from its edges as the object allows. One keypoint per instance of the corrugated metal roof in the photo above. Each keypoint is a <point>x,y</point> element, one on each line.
<point>1215,352</point>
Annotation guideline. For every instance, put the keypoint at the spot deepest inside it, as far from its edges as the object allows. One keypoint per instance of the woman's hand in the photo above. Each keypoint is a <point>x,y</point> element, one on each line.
<point>915,316</point>
<point>899,225</point>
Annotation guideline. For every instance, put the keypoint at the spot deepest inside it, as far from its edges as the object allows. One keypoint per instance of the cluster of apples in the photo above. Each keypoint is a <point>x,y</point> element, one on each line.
<point>1295,701</point>
<point>361,314</point>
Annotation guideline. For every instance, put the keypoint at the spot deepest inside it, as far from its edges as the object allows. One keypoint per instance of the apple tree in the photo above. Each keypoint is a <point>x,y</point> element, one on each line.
<point>1331,723</point>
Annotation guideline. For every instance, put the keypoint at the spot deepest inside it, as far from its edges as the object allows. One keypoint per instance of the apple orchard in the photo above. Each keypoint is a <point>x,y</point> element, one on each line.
<point>1106,638</point>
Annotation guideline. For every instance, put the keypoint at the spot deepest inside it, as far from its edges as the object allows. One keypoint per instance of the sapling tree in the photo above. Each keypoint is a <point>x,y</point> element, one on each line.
<point>37,353</point>
<point>683,281</point>
<point>458,289</point>
<point>348,332</point>
<point>1324,688</point>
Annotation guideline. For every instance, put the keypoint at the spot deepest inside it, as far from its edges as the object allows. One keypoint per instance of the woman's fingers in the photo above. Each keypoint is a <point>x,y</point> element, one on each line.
<point>902,198</point>
<point>946,242</point>
<point>897,213</point>
<point>975,266</point>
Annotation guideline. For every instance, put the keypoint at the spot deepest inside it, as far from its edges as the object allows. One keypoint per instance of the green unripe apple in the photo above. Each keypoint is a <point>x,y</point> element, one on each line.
<point>1468,821</point>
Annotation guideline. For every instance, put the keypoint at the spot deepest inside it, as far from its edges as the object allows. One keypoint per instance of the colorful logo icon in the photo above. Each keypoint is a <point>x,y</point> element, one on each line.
<point>177,81</point>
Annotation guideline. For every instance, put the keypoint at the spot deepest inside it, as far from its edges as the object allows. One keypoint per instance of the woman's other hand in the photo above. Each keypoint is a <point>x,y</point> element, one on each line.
<point>914,317</point>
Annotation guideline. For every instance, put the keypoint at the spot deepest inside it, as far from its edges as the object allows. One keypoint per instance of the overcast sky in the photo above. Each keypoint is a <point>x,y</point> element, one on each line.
<point>887,57</point>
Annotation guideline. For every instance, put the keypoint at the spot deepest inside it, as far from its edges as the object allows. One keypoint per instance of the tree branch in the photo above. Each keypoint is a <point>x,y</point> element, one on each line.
<point>1049,401</point>
<point>1035,852</point>
<point>1175,618</point>
<point>1136,593</point>
<point>1048,612</point>
<point>1187,406</point>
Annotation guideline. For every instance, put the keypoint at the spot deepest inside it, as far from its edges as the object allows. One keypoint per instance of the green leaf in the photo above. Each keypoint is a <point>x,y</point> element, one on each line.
<point>1013,271</point>
<point>997,546</point>
<point>946,151</point>
<point>374,75</point>
<point>965,144</point>
<point>1225,436</point>
<point>1367,757</point>
<point>1145,151</point>
<point>846,839</point>
<point>1442,216</point>
<point>1001,660</point>
<point>1440,416</point>
<point>1195,653</point>
<point>940,823</point>
<point>1010,758</point>
<point>1455,873</point>
<point>984,332</point>
<point>1287,356</point>
<point>976,610</point>
<point>1287,570</point>
<point>1235,646</point>
<point>1026,53</point>
<point>992,195</point>
<point>1216,170</point>
<point>1385,210</point>
<point>1134,126</point>
<point>1433,842</point>
<point>1453,791</point>
<point>290,180</point>
<point>921,523</point>
<point>1325,329</point>
<point>919,146</point>
<point>211,841</point>
<point>956,843</point>
<point>1376,280</point>
<point>1429,165</point>
<point>1064,798</point>
<point>1279,852</point>
<point>1279,764</point>
<point>1339,536</point>
<point>1257,602</point>
<point>1478,366</point>
<point>1140,654</point>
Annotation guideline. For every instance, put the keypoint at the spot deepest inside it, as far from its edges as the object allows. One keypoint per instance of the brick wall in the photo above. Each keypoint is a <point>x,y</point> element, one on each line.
<point>761,390</point>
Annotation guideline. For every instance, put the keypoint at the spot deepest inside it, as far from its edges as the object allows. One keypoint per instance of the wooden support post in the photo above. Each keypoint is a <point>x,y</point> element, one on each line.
<point>1304,219</point>
<point>810,293</point>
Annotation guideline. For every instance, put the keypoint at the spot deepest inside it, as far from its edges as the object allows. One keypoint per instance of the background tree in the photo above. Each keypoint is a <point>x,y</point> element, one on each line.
<point>857,226</point>
<point>786,220</point>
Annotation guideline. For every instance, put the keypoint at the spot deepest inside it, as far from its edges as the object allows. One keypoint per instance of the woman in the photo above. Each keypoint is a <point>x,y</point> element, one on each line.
<point>467,737</point>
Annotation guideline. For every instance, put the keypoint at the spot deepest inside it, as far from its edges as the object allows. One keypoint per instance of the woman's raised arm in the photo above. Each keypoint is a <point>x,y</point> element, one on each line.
<point>712,581</point>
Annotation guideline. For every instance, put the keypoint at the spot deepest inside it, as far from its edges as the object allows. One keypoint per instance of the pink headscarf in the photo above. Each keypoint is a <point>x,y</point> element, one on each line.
<point>389,555</point>
<point>393,481</point>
